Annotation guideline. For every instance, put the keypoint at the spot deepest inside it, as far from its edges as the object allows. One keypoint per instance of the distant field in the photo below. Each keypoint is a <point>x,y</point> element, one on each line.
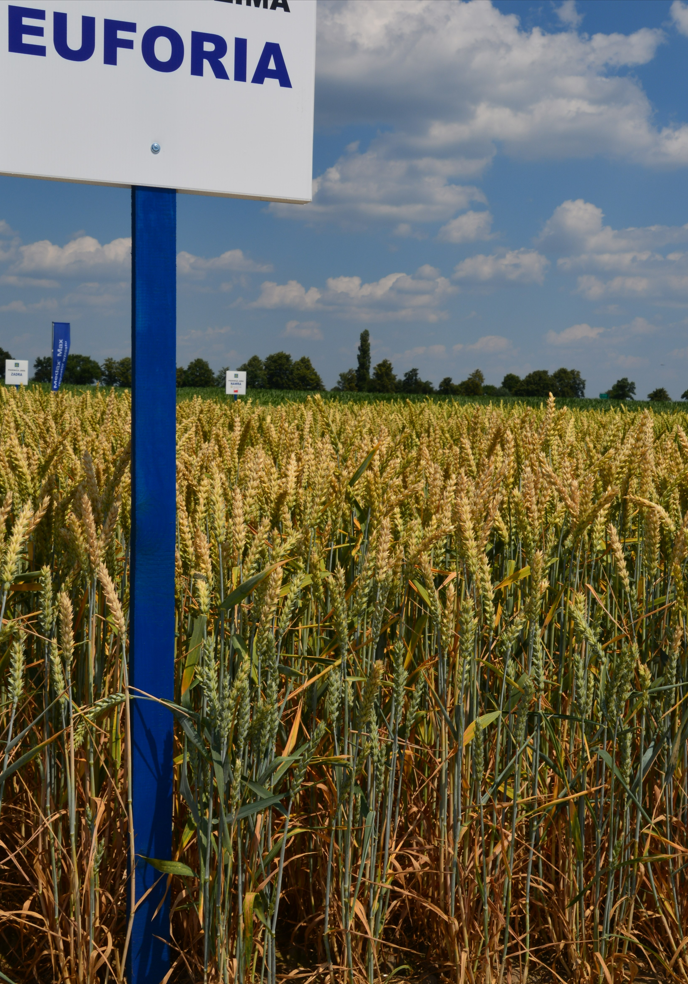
<point>275,397</point>
<point>268,397</point>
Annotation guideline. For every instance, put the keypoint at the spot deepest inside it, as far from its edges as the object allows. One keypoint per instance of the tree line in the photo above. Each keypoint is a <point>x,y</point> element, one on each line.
<point>382,379</point>
<point>277,371</point>
<point>280,372</point>
<point>539,383</point>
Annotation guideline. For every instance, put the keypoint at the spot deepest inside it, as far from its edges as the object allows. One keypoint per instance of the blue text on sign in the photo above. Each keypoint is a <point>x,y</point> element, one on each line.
<point>203,49</point>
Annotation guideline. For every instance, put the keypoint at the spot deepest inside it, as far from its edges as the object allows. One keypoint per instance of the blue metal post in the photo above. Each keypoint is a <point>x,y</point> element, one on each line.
<point>153,509</point>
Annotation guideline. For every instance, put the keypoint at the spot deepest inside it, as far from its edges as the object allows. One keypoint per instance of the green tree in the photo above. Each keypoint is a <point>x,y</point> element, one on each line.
<point>568,382</point>
<point>511,382</point>
<point>305,376</point>
<point>4,354</point>
<point>199,374</point>
<point>659,394</point>
<point>181,376</point>
<point>221,377</point>
<point>623,389</point>
<point>684,396</point>
<point>43,369</point>
<point>412,383</point>
<point>473,386</point>
<point>536,383</point>
<point>346,381</point>
<point>279,371</point>
<point>124,367</point>
<point>255,373</point>
<point>384,378</point>
<point>363,369</point>
<point>117,372</point>
<point>108,372</point>
<point>81,370</point>
<point>447,387</point>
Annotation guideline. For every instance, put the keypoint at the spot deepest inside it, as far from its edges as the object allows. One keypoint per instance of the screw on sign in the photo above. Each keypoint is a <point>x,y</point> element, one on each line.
<point>217,99</point>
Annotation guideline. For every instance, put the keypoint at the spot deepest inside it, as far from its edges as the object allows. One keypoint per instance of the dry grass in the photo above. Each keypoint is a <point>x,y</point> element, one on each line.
<point>443,733</point>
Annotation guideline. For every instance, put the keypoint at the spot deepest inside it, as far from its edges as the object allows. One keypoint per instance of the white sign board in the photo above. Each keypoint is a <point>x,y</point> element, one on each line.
<point>236,383</point>
<point>207,96</point>
<point>16,372</point>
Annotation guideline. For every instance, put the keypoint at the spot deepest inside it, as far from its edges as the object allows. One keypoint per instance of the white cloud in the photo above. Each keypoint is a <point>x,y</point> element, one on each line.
<point>79,255</point>
<point>490,344</point>
<point>466,228</point>
<point>370,186</point>
<point>289,295</point>
<point>447,84</point>
<point>189,265</point>
<point>396,297</point>
<point>574,334</point>
<point>459,76</point>
<point>525,266</point>
<point>354,289</point>
<point>568,15</point>
<point>631,262</point>
<point>85,254</point>
<point>617,335</point>
<point>576,228</point>
<point>428,272</point>
<point>404,297</point>
<point>679,15</point>
<point>303,329</point>
<point>594,289</point>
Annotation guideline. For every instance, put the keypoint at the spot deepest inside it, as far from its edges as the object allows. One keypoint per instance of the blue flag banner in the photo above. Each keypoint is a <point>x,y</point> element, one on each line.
<point>60,352</point>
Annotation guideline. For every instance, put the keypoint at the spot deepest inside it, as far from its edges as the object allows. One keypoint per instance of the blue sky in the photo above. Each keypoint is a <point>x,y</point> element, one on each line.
<point>497,185</point>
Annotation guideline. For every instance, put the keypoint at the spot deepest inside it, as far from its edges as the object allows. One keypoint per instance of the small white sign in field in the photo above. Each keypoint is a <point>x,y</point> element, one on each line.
<point>236,383</point>
<point>208,96</point>
<point>16,372</point>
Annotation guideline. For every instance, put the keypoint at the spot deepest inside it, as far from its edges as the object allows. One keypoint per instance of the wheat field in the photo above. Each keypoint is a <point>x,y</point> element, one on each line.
<point>430,702</point>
